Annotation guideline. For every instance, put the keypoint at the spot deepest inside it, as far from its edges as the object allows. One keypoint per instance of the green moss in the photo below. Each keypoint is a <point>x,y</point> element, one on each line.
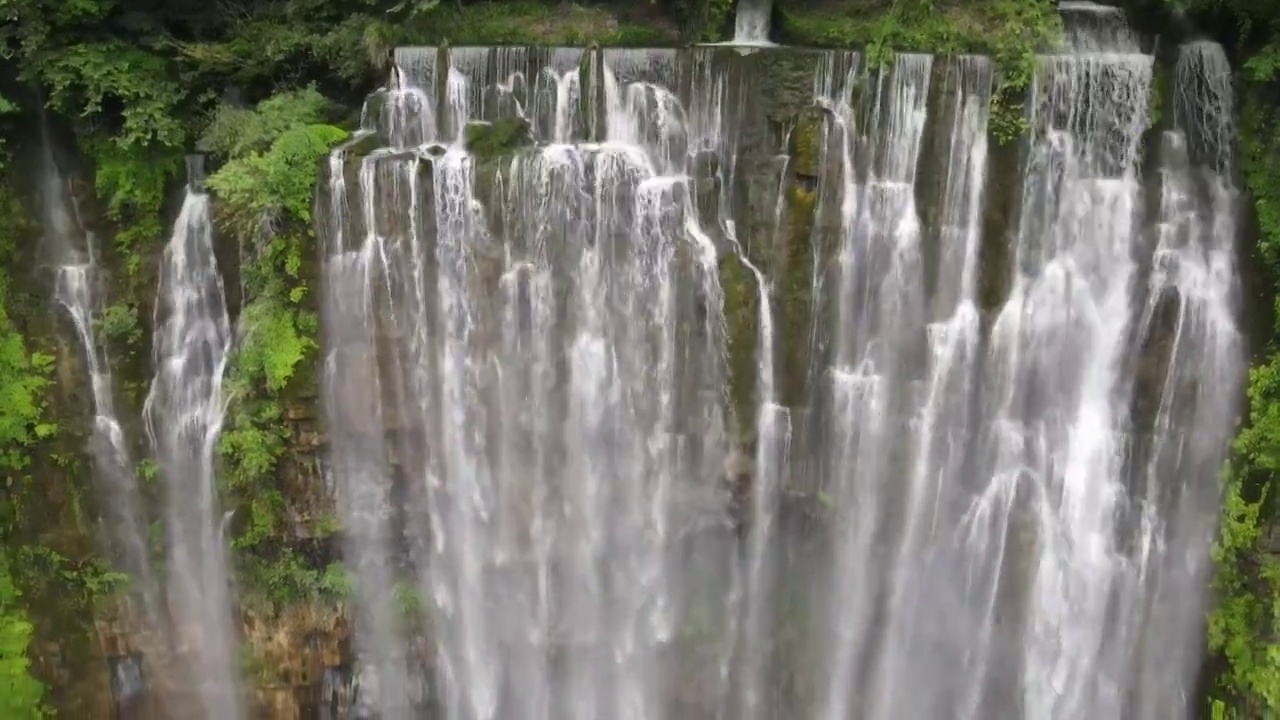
<point>741,303</point>
<point>1158,93</point>
<point>796,303</point>
<point>22,696</point>
<point>714,23</point>
<point>881,27</point>
<point>806,143</point>
<point>1008,119</point>
<point>487,140</point>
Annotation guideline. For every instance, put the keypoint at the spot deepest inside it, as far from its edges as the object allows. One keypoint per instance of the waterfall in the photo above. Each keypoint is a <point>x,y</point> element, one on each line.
<point>356,433</point>
<point>942,421</point>
<point>183,413</point>
<point>128,685</point>
<point>1187,322</point>
<point>772,438</point>
<point>1063,333</point>
<point>517,407</point>
<point>73,251</point>
<point>751,26</point>
<point>877,307</point>
<point>986,395</point>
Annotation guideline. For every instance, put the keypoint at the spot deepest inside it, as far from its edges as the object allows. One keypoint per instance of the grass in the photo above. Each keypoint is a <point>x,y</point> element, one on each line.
<point>529,22</point>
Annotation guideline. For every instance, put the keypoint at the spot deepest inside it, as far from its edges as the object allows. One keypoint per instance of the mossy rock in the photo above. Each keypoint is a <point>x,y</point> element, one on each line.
<point>807,138</point>
<point>741,302</point>
<point>784,77</point>
<point>362,144</point>
<point>493,139</point>
<point>999,226</point>
<point>796,306</point>
<point>706,164</point>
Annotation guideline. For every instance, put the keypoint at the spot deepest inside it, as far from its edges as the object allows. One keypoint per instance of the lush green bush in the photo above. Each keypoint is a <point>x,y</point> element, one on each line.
<point>21,695</point>
<point>264,195</point>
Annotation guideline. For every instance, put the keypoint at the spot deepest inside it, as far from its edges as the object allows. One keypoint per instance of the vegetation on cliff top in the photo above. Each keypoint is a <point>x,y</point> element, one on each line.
<point>1010,31</point>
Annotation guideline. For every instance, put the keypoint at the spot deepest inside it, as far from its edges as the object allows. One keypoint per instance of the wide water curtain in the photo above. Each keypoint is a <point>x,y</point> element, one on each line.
<point>665,389</point>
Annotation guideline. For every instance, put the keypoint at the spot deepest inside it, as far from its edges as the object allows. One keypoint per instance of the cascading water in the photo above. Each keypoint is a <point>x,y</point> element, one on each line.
<point>73,251</point>
<point>1187,323</point>
<point>751,25</point>
<point>518,407</point>
<point>183,413</point>
<point>1058,347</point>
<point>878,305</point>
<point>942,422</point>
<point>1005,439</point>
<point>773,439</point>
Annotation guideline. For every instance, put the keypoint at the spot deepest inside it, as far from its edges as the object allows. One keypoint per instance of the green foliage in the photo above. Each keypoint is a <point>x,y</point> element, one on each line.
<point>264,196</point>
<point>21,695</point>
<point>286,578</point>
<point>82,582</point>
<point>62,590</point>
<point>337,581</point>
<point>126,100</point>
<point>1260,149</point>
<point>254,444</point>
<point>148,470</point>
<point>288,42</point>
<point>1011,31</point>
<point>119,323</point>
<point>714,18</point>
<point>237,132</point>
<point>24,374</point>
<point>1246,621</point>
<point>1002,28</point>
<point>87,78</point>
<point>1008,119</point>
<point>131,181</point>
<point>503,136</point>
<point>262,184</point>
<point>23,378</point>
<point>537,23</point>
<point>409,600</point>
<point>718,13</point>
